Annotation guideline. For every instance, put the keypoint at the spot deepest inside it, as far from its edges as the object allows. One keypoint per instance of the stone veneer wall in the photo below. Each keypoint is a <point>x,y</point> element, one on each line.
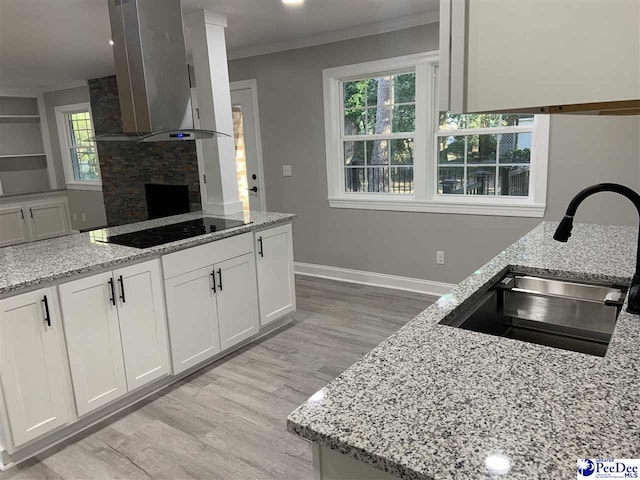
<point>125,167</point>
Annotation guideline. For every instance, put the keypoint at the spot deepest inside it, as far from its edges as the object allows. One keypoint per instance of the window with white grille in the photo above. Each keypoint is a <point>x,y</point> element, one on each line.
<point>78,149</point>
<point>389,148</point>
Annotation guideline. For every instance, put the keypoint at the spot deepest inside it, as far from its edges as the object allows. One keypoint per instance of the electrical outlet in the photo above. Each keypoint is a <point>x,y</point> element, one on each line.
<point>84,217</point>
<point>286,171</point>
<point>440,257</point>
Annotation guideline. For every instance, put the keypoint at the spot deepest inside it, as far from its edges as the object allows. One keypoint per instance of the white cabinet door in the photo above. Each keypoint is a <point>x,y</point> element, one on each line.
<point>47,220</point>
<point>13,226</point>
<point>237,299</point>
<point>537,57</point>
<point>142,323</point>
<point>93,341</point>
<point>193,318</point>
<point>276,282</point>
<point>31,366</point>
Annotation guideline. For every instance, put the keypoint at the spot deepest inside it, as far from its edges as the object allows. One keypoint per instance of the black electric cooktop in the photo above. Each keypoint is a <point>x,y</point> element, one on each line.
<point>155,236</point>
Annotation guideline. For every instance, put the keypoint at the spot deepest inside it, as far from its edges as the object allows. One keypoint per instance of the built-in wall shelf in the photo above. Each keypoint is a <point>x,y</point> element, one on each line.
<point>19,118</point>
<point>24,165</point>
<point>18,155</point>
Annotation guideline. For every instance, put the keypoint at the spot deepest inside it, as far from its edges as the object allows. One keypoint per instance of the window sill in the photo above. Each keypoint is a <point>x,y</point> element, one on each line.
<point>530,210</point>
<point>91,186</point>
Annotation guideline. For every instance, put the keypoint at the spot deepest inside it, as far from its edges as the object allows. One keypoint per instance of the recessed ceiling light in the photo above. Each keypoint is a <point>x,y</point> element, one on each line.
<point>111,42</point>
<point>293,3</point>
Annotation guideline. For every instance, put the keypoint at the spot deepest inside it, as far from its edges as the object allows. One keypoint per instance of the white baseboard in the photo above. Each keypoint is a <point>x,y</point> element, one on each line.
<point>418,285</point>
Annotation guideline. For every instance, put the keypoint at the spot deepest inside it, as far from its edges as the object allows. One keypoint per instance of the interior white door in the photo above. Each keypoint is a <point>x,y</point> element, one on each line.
<point>93,341</point>
<point>31,365</point>
<point>237,299</point>
<point>246,127</point>
<point>142,323</point>
<point>276,281</point>
<point>13,226</point>
<point>47,220</point>
<point>193,318</point>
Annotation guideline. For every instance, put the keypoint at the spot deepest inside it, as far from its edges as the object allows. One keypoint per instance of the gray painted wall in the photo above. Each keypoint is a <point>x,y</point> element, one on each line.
<point>89,203</point>
<point>583,150</point>
<point>24,175</point>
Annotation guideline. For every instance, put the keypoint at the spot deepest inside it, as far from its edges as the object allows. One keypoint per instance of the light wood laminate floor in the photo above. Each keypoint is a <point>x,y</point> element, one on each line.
<point>228,421</point>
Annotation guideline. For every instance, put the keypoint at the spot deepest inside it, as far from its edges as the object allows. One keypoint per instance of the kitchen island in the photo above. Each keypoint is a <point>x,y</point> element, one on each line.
<point>436,402</point>
<point>88,328</point>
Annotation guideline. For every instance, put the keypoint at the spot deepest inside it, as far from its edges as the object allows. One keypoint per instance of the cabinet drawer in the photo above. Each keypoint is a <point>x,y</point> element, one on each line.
<point>197,257</point>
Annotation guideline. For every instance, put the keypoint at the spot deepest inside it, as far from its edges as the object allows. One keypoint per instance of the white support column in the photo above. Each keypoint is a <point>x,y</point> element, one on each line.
<point>214,103</point>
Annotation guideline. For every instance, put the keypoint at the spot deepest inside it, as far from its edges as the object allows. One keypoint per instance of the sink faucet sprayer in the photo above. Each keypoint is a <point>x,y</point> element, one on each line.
<point>563,232</point>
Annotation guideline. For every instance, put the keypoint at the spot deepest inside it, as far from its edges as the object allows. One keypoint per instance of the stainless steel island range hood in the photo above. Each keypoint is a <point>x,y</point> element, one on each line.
<point>152,72</point>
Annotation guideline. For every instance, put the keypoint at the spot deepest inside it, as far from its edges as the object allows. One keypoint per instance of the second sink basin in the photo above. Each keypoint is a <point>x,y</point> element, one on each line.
<point>563,314</point>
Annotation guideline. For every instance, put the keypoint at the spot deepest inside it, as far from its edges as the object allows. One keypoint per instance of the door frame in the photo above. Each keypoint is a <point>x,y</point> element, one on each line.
<point>252,84</point>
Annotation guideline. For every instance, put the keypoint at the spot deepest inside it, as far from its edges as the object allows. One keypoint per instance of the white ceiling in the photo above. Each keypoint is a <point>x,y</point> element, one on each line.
<point>48,43</point>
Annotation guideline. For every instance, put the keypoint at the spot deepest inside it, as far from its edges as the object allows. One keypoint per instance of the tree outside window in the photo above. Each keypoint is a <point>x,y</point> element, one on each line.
<point>484,154</point>
<point>379,123</point>
<point>82,149</point>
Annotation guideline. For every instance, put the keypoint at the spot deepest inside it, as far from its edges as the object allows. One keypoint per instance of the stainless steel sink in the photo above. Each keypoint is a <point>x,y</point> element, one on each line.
<point>557,313</point>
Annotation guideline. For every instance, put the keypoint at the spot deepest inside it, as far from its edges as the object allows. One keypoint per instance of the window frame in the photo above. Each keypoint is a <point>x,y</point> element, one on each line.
<point>334,120</point>
<point>425,197</point>
<point>64,135</point>
<point>373,137</point>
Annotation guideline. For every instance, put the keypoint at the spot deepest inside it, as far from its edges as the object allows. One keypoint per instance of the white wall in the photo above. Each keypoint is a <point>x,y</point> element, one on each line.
<point>583,151</point>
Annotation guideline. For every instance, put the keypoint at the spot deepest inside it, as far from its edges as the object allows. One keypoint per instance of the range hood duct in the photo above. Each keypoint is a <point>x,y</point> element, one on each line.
<point>152,72</point>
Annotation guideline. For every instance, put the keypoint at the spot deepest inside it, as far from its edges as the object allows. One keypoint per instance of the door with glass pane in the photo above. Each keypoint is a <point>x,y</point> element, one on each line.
<point>248,149</point>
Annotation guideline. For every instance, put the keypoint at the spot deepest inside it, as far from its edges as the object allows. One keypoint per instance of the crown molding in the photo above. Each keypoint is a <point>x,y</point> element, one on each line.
<point>65,86</point>
<point>37,91</point>
<point>358,31</point>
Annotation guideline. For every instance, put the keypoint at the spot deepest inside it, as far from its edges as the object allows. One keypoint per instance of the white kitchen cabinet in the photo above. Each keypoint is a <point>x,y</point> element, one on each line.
<point>237,300</point>
<point>276,282</point>
<point>211,297</point>
<point>34,217</point>
<point>94,345</point>
<point>47,220</point>
<point>193,317</point>
<point>32,366</point>
<point>143,324</point>
<point>116,333</point>
<point>503,55</point>
<point>13,226</point>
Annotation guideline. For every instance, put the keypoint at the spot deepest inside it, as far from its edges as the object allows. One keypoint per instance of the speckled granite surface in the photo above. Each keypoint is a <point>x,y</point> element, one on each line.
<point>433,402</point>
<point>26,194</point>
<point>38,263</point>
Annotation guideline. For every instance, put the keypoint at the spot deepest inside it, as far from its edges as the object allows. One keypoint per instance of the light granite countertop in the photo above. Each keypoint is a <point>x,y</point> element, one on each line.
<point>32,264</point>
<point>433,402</point>
<point>9,196</point>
